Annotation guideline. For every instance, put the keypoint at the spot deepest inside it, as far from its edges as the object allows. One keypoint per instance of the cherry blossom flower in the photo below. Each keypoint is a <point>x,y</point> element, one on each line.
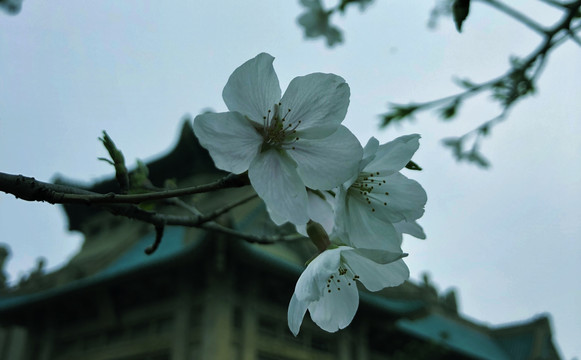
<point>321,210</point>
<point>378,197</point>
<point>327,287</point>
<point>285,144</point>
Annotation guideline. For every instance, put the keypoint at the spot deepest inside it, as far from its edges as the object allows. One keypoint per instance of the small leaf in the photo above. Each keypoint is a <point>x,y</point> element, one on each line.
<point>484,129</point>
<point>106,160</point>
<point>118,162</point>
<point>170,184</point>
<point>413,166</point>
<point>455,144</point>
<point>362,4</point>
<point>449,111</point>
<point>515,61</point>
<point>398,113</point>
<point>477,158</point>
<point>465,83</point>
<point>460,10</point>
<point>140,176</point>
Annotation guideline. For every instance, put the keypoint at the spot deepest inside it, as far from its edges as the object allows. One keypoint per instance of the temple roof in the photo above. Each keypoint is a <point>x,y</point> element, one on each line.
<point>418,309</point>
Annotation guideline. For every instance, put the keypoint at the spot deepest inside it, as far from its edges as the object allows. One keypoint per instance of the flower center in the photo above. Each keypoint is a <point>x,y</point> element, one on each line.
<point>278,132</point>
<point>365,185</point>
<point>344,273</point>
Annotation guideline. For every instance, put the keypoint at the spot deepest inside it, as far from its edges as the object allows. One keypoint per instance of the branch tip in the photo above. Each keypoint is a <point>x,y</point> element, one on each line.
<point>159,229</point>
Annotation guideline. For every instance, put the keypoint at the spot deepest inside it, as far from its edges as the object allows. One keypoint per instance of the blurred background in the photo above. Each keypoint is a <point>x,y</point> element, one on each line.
<point>507,238</point>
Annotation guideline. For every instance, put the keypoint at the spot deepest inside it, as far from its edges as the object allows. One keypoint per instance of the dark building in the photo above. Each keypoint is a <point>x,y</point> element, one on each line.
<point>205,295</point>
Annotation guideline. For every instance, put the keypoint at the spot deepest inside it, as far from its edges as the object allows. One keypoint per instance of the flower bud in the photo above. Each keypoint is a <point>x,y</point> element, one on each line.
<point>318,235</point>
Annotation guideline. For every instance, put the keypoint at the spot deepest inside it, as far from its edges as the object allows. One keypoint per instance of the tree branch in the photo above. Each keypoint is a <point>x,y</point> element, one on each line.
<point>28,188</point>
<point>517,15</point>
<point>211,225</point>
<point>555,4</point>
<point>508,88</point>
<point>159,229</point>
<point>214,214</point>
<point>574,37</point>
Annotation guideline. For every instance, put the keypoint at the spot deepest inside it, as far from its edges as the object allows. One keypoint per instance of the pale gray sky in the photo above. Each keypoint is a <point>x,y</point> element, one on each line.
<point>509,239</point>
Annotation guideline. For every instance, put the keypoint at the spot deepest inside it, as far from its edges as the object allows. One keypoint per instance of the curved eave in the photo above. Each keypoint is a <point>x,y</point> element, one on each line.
<point>131,262</point>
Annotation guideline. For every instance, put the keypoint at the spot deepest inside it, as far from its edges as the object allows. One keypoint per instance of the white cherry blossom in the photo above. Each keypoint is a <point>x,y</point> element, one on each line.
<point>378,197</point>
<point>327,287</point>
<point>285,144</point>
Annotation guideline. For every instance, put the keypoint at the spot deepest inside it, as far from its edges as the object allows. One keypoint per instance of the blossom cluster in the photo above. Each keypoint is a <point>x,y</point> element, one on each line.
<point>310,170</point>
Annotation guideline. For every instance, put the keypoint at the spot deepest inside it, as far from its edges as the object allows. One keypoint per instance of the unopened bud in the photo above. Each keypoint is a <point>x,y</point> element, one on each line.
<point>318,235</point>
<point>460,10</point>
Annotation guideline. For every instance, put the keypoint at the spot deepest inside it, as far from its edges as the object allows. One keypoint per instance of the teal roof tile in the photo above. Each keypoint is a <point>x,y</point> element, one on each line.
<point>133,259</point>
<point>460,337</point>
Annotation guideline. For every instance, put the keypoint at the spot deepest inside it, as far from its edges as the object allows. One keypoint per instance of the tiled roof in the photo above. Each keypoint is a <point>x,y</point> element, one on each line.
<point>455,334</point>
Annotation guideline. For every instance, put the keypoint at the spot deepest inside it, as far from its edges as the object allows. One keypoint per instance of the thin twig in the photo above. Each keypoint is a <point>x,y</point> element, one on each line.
<point>27,188</point>
<point>204,221</point>
<point>527,70</point>
<point>265,240</point>
<point>574,37</point>
<point>159,229</point>
<point>555,4</point>
<point>214,214</point>
<point>540,53</point>
<point>517,15</point>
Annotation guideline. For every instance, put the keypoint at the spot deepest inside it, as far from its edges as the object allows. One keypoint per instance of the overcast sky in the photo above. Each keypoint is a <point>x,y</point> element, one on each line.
<point>508,238</point>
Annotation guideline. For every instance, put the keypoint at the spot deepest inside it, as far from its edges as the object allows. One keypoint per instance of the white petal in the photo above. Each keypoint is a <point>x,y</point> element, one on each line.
<point>355,218</point>
<point>320,210</point>
<point>335,310</point>
<point>276,218</point>
<point>406,199</point>
<point>394,155</point>
<point>319,101</point>
<point>253,88</point>
<point>231,140</point>
<point>313,280</point>
<point>368,155</point>
<point>381,257</point>
<point>376,276</point>
<point>328,162</point>
<point>296,313</point>
<point>275,179</point>
<point>410,227</point>
<point>369,152</point>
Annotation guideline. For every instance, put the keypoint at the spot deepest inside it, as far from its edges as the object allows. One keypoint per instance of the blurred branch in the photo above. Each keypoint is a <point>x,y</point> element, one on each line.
<point>554,3</point>
<point>517,15</point>
<point>507,89</point>
<point>574,37</point>
<point>518,82</point>
<point>11,7</point>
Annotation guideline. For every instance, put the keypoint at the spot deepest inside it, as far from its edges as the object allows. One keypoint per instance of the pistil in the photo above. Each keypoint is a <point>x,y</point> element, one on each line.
<point>277,133</point>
